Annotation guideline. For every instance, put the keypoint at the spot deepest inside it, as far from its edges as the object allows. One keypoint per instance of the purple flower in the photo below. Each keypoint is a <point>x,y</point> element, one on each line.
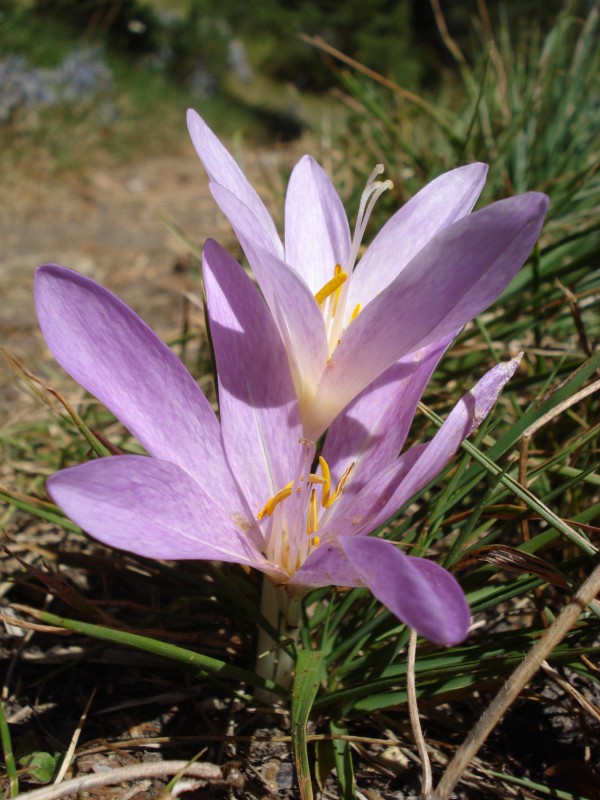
<point>246,490</point>
<point>431,268</point>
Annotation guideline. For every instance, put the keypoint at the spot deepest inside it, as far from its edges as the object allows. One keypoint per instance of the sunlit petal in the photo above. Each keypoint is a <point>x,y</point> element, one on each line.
<point>257,399</point>
<point>152,508</point>
<point>222,169</point>
<point>317,236</point>
<point>442,202</point>
<point>450,281</point>
<point>419,592</point>
<point>394,486</point>
<point>372,429</point>
<point>110,351</point>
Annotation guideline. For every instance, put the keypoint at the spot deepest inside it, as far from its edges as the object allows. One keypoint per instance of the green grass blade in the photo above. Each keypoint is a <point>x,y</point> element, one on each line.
<point>307,679</point>
<point>191,659</point>
<point>9,758</point>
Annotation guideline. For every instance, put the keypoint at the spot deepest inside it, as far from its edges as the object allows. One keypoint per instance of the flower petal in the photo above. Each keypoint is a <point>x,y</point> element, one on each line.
<point>359,513</point>
<point>300,324</point>
<point>152,508</point>
<point>222,169</point>
<point>292,304</point>
<point>443,201</point>
<point>110,351</point>
<point>317,236</point>
<point>454,278</point>
<point>394,486</point>
<point>259,411</point>
<point>419,592</point>
<point>327,565</point>
<point>371,431</point>
<point>247,227</point>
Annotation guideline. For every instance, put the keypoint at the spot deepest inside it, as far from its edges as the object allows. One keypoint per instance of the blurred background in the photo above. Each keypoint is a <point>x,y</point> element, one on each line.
<point>119,73</point>
<point>98,172</point>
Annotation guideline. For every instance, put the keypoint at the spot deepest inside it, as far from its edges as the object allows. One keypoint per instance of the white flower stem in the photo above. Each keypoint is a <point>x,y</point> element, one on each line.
<point>273,661</point>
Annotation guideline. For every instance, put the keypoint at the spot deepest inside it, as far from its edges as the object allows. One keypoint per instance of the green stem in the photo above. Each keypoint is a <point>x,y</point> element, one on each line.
<point>9,759</point>
<point>196,661</point>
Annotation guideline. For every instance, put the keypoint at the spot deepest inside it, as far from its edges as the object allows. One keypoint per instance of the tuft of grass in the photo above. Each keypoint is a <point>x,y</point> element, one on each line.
<point>142,112</point>
<point>528,105</point>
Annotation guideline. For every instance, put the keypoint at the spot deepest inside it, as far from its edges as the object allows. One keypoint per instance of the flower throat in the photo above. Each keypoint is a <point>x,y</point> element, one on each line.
<point>333,296</point>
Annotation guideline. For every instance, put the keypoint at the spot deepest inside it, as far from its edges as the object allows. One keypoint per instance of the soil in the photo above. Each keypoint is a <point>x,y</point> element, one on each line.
<point>109,223</point>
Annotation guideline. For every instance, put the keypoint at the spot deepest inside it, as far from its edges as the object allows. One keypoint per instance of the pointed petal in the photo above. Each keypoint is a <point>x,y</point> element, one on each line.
<point>110,351</point>
<point>292,304</point>
<point>152,508</point>
<point>454,278</point>
<point>317,236</point>
<point>259,411</point>
<point>222,169</point>
<point>395,486</point>
<point>419,592</point>
<point>300,324</point>
<point>443,201</point>
<point>371,431</point>
<point>252,236</point>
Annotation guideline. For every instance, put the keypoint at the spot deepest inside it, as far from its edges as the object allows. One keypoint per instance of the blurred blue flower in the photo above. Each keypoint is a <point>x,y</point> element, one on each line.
<point>80,77</point>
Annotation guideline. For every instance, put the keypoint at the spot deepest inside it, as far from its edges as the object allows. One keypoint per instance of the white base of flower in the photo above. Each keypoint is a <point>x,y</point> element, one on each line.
<point>273,662</point>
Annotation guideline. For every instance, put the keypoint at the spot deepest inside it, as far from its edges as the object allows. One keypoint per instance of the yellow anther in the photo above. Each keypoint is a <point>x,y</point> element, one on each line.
<point>312,522</point>
<point>326,480</point>
<point>270,505</point>
<point>332,287</point>
<point>339,488</point>
<point>337,272</point>
<point>355,313</point>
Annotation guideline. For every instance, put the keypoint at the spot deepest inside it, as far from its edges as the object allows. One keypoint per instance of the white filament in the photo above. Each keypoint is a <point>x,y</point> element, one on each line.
<point>372,192</point>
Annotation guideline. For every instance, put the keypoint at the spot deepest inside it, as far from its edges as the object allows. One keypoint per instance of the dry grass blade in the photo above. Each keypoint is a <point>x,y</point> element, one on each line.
<point>33,626</point>
<point>426,780</point>
<point>411,97</point>
<point>517,681</point>
<point>589,707</point>
<point>45,392</point>
<point>74,739</point>
<point>210,773</point>
<point>576,314</point>
<point>536,426</point>
<point>515,561</point>
<point>445,34</point>
<point>561,407</point>
<point>59,588</point>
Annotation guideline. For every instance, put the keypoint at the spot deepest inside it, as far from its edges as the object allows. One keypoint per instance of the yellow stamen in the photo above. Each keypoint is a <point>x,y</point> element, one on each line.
<point>336,297</point>
<point>270,505</point>
<point>312,523</point>
<point>326,480</point>
<point>328,498</point>
<point>355,313</point>
<point>332,287</point>
<point>340,487</point>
